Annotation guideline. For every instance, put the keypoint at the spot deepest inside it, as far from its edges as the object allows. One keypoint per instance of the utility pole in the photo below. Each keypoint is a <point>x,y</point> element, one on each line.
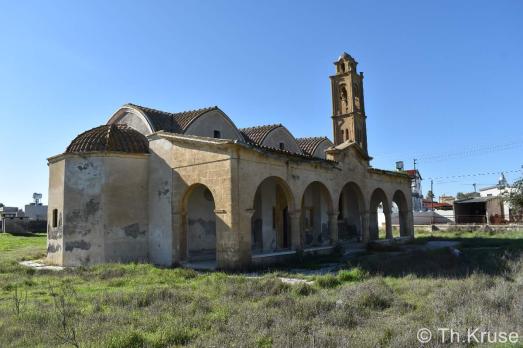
<point>432,201</point>
<point>432,193</point>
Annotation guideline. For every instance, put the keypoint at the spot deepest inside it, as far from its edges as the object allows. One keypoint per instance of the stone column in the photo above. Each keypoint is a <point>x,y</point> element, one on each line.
<point>365,226</point>
<point>179,237</point>
<point>333,227</point>
<point>388,225</point>
<point>409,228</point>
<point>245,229</point>
<point>295,220</point>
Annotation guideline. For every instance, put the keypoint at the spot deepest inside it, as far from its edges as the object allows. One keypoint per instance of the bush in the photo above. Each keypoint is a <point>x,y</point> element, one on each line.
<point>374,294</point>
<point>129,339</point>
<point>303,289</point>
<point>328,281</point>
<point>354,275</point>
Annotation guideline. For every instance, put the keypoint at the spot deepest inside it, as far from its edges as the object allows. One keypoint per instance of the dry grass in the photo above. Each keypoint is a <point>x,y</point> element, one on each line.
<point>140,305</point>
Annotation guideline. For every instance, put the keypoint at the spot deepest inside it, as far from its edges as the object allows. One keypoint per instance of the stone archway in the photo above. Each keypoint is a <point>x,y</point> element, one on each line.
<point>403,213</point>
<point>200,224</point>
<point>379,203</point>
<point>270,223</point>
<point>316,208</point>
<point>351,211</point>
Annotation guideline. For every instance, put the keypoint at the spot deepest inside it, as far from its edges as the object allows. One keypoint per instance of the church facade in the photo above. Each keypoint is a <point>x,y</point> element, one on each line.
<point>176,188</point>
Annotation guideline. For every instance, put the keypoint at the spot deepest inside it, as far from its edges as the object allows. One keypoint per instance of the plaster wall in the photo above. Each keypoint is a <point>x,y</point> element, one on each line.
<point>134,121</point>
<point>282,135</point>
<point>103,217</point>
<point>320,150</point>
<point>206,124</point>
<point>161,242</point>
<point>55,202</point>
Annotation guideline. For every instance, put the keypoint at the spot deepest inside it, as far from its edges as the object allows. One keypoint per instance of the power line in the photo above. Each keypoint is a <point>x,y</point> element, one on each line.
<point>469,153</point>
<point>474,174</point>
<point>472,151</point>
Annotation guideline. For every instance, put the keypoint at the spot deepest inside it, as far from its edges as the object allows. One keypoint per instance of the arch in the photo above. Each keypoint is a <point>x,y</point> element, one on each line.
<point>279,135</point>
<point>134,118</point>
<point>199,225</point>
<point>215,119</point>
<point>351,205</point>
<point>316,206</point>
<point>403,212</point>
<point>270,222</point>
<point>378,200</point>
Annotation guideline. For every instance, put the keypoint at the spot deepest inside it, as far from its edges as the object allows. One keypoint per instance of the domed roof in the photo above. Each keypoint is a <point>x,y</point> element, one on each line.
<point>110,138</point>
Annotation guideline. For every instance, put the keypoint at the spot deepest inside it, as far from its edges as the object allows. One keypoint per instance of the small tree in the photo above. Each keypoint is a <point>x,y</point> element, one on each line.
<point>514,196</point>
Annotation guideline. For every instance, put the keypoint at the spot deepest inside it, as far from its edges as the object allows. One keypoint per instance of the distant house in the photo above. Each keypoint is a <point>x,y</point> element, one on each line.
<point>499,190</point>
<point>430,205</point>
<point>417,196</point>
<point>447,199</point>
<point>36,210</point>
<point>479,210</point>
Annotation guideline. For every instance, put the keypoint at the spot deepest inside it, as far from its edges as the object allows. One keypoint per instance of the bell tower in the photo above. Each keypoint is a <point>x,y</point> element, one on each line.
<point>348,107</point>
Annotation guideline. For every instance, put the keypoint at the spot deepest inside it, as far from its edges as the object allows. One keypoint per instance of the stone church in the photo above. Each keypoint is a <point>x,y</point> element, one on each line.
<point>187,187</point>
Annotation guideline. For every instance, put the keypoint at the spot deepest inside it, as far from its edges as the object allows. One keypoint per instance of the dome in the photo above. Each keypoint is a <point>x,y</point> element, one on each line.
<point>110,138</point>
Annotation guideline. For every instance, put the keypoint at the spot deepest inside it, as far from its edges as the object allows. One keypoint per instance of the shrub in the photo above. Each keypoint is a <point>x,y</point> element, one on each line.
<point>328,281</point>
<point>128,339</point>
<point>354,275</point>
<point>374,294</point>
<point>303,289</point>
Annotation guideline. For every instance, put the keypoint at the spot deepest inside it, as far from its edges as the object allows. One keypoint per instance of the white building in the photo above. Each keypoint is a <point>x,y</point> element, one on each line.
<point>502,188</point>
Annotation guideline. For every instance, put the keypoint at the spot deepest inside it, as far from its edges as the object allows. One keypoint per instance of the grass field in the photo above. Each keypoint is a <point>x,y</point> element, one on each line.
<point>379,300</point>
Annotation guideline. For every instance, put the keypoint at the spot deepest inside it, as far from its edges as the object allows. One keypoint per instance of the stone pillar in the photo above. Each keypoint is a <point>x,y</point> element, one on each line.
<point>227,240</point>
<point>179,237</point>
<point>245,230</point>
<point>388,225</point>
<point>365,226</point>
<point>333,227</point>
<point>409,228</point>
<point>295,220</point>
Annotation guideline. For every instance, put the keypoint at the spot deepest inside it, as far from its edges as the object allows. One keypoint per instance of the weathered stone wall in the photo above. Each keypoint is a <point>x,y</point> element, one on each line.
<point>320,150</point>
<point>102,208</point>
<point>161,242</point>
<point>125,212</point>
<point>55,247</point>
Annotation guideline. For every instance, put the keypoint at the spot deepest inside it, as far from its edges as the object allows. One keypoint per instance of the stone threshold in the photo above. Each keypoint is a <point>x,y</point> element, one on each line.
<point>319,248</point>
<point>274,253</point>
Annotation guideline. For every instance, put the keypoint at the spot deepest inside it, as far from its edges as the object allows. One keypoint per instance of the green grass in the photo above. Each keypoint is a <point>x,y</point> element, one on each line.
<point>378,300</point>
<point>22,247</point>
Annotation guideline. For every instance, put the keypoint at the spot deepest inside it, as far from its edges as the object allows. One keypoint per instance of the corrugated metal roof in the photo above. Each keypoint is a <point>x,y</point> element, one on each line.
<point>475,200</point>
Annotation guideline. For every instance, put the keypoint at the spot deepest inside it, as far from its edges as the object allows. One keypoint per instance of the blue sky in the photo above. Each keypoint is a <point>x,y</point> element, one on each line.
<point>442,78</point>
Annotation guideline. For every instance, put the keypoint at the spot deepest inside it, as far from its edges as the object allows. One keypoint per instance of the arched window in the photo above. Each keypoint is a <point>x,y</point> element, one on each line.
<point>356,90</point>
<point>343,93</point>
<point>344,99</point>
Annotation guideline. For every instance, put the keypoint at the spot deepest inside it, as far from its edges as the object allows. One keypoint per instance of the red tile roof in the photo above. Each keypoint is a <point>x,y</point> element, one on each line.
<point>258,134</point>
<point>172,122</point>
<point>110,138</point>
<point>309,145</point>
